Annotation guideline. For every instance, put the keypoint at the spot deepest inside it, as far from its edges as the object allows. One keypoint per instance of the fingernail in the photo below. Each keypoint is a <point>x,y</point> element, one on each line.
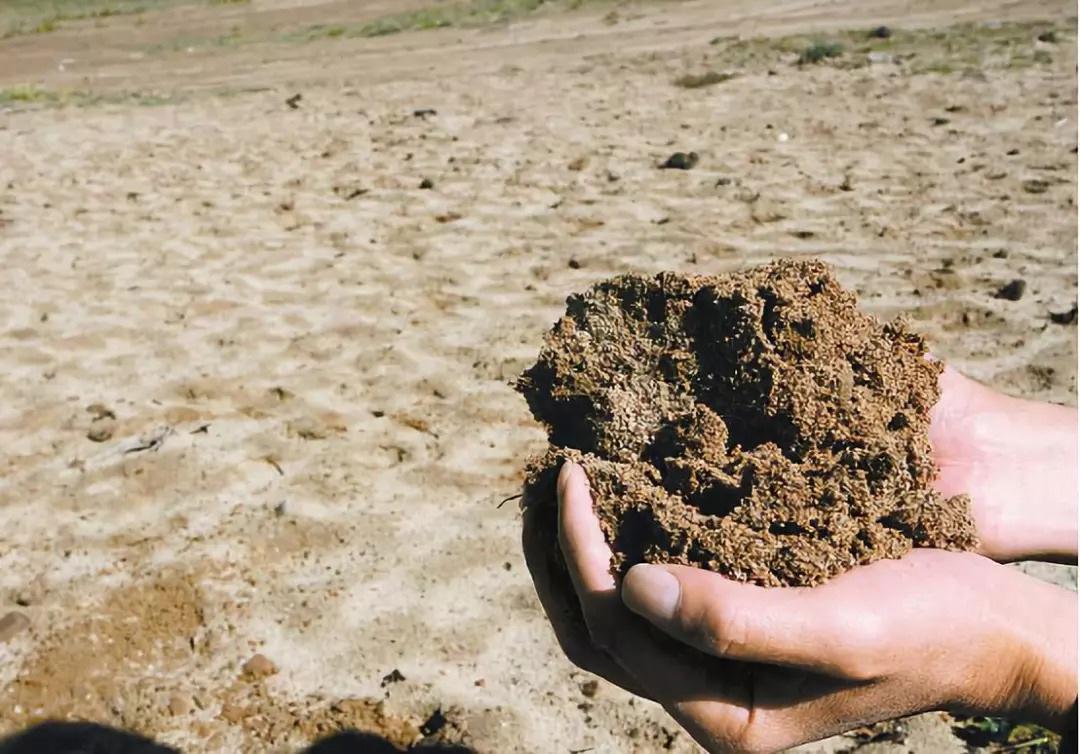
<point>651,591</point>
<point>564,478</point>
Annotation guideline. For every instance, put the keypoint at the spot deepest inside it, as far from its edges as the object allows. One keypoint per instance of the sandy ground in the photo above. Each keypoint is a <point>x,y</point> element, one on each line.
<point>322,351</point>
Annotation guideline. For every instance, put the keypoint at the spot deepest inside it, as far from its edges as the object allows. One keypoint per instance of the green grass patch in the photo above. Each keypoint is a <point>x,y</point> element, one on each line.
<point>26,94</point>
<point>999,734</point>
<point>18,17</point>
<point>819,51</point>
<point>467,14</point>
<point>941,51</point>
<point>702,80</point>
<point>33,96</point>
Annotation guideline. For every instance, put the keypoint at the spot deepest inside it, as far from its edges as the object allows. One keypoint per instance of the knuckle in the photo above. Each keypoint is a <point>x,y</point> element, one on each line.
<point>865,634</point>
<point>722,630</point>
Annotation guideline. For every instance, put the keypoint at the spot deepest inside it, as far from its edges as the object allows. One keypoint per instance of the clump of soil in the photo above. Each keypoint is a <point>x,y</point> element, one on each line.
<point>754,424</point>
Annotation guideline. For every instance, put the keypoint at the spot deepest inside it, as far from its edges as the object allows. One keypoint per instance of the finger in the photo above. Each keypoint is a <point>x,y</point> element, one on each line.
<point>803,628</point>
<point>559,602</point>
<point>588,556</point>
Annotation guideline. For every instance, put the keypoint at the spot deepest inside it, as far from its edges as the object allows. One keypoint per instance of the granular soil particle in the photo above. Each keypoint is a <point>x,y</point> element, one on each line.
<point>755,424</point>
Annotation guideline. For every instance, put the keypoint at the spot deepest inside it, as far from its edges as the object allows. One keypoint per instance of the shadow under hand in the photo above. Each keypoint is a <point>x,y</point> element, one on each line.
<point>56,737</point>
<point>79,738</point>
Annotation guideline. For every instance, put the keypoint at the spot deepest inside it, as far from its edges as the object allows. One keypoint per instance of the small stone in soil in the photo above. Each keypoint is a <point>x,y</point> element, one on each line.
<point>11,625</point>
<point>1049,37</point>
<point>259,666</point>
<point>1001,254</point>
<point>424,112</point>
<point>101,430</point>
<point>881,32</point>
<point>394,676</point>
<point>1064,318</point>
<point>589,688</point>
<point>294,101</point>
<point>680,161</point>
<point>100,411</point>
<point>435,723</point>
<point>179,705</point>
<point>1012,291</point>
<point>427,183</point>
<point>1036,186</point>
<point>574,264</point>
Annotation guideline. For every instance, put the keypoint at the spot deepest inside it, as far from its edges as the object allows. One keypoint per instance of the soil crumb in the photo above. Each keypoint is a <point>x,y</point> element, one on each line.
<point>755,424</point>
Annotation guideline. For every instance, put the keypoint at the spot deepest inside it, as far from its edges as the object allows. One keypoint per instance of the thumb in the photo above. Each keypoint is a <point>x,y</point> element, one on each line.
<point>783,626</point>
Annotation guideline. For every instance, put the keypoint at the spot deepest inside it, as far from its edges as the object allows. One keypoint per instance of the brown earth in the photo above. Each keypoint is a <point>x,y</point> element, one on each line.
<point>755,424</point>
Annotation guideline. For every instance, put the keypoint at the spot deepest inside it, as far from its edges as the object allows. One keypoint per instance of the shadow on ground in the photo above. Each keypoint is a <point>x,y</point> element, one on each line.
<point>91,738</point>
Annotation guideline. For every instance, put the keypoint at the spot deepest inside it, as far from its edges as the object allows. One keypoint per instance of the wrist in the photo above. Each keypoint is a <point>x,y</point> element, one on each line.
<point>1036,623</point>
<point>1027,480</point>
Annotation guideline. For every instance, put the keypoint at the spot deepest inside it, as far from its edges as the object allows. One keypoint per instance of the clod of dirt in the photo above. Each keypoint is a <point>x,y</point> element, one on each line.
<point>394,676</point>
<point>427,183</point>
<point>754,424</point>
<point>100,411</point>
<point>101,430</point>
<point>436,722</point>
<point>11,625</point>
<point>259,666</point>
<point>680,161</point>
<point>294,101</point>
<point>1012,291</point>
<point>1035,186</point>
<point>589,688</point>
<point>881,32</point>
<point>892,731</point>
<point>1064,318</point>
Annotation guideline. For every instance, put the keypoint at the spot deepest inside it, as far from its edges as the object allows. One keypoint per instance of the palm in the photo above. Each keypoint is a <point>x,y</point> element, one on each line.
<point>1007,456</point>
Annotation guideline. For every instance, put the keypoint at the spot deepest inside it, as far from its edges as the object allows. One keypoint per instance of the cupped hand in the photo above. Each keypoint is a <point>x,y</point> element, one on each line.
<point>754,669</point>
<point>1017,461</point>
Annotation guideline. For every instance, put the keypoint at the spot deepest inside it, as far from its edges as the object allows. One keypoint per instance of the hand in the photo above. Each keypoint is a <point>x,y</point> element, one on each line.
<point>786,666</point>
<point>1017,461</point>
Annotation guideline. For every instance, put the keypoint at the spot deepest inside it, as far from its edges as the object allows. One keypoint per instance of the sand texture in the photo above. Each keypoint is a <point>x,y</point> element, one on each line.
<point>258,384</point>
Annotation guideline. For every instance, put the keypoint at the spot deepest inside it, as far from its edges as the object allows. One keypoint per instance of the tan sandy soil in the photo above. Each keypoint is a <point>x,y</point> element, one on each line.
<point>330,346</point>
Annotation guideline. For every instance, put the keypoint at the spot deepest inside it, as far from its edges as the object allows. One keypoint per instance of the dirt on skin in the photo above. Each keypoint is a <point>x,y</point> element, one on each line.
<point>755,424</point>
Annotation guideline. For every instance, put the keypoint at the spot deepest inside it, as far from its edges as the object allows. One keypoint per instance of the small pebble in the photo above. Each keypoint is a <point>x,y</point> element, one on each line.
<point>427,183</point>
<point>881,32</point>
<point>179,705</point>
<point>101,430</point>
<point>394,676</point>
<point>680,161</point>
<point>1012,291</point>
<point>1064,318</point>
<point>11,625</point>
<point>259,666</point>
<point>1036,186</point>
<point>589,688</point>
